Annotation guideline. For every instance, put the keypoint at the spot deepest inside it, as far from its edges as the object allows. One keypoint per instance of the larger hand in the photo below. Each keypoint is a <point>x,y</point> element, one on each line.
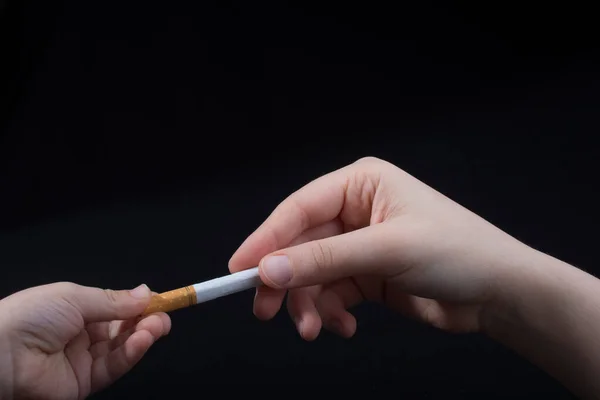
<point>370,231</point>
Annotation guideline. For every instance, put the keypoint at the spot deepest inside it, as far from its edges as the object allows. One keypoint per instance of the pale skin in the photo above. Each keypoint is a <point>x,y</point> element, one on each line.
<point>369,231</point>
<point>65,341</point>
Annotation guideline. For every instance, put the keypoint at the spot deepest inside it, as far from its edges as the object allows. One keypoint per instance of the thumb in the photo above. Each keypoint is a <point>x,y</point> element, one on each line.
<point>96,305</point>
<point>364,251</point>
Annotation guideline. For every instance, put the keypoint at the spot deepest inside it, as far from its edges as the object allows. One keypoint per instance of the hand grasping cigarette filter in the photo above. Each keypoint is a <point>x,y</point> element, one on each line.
<point>204,291</point>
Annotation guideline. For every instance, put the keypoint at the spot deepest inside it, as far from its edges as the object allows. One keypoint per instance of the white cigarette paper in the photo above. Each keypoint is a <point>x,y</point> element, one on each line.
<point>226,285</point>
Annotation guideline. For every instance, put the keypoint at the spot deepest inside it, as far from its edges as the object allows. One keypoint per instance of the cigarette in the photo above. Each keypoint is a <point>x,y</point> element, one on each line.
<point>205,291</point>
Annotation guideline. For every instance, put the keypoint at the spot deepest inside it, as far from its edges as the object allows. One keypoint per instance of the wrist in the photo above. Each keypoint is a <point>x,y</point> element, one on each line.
<point>532,281</point>
<point>549,312</point>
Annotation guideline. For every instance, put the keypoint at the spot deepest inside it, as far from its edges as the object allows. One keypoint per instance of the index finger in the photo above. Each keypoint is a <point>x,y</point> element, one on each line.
<point>318,202</point>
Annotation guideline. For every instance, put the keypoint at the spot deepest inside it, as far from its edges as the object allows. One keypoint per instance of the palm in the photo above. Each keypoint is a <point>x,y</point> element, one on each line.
<point>49,370</point>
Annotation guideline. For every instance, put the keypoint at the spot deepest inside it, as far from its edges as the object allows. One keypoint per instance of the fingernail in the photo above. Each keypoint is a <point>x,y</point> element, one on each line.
<point>277,269</point>
<point>140,292</point>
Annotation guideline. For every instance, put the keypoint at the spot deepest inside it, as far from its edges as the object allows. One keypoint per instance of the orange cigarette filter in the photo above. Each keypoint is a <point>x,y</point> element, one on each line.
<point>172,300</point>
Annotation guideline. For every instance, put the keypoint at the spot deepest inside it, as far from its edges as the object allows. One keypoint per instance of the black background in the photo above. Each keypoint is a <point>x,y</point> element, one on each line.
<point>141,141</point>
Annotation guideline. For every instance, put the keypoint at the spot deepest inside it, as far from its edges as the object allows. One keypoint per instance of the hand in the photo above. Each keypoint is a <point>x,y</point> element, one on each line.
<point>370,231</point>
<point>65,341</point>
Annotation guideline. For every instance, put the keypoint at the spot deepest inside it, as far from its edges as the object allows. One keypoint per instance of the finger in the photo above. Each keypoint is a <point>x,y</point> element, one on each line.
<point>318,202</point>
<point>333,304</point>
<point>79,359</point>
<point>300,302</point>
<point>329,228</point>
<point>96,305</point>
<point>158,325</point>
<point>365,251</point>
<point>101,331</point>
<point>102,348</point>
<point>166,322</point>
<point>80,343</point>
<point>267,301</point>
<point>110,367</point>
<point>301,307</point>
<point>414,307</point>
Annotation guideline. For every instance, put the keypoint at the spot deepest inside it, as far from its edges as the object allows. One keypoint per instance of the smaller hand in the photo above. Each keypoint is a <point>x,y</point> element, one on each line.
<point>66,341</point>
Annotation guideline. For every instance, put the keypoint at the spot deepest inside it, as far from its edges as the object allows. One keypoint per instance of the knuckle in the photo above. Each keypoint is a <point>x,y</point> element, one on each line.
<point>369,160</point>
<point>66,287</point>
<point>322,255</point>
<point>111,295</point>
<point>373,166</point>
<point>303,216</point>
